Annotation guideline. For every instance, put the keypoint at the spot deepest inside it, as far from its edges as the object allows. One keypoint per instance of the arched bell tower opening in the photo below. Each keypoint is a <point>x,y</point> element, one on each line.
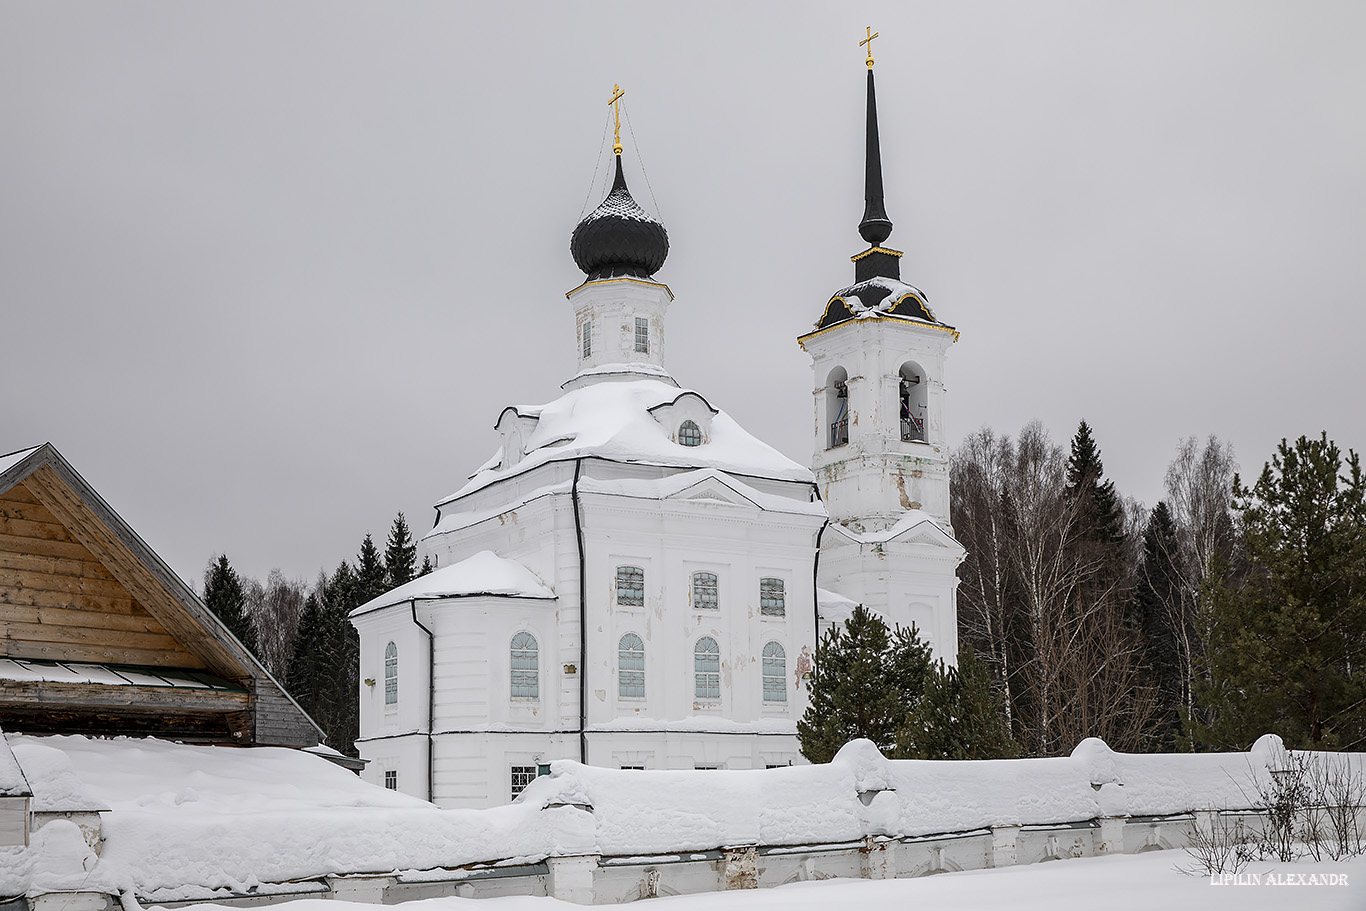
<point>837,408</point>
<point>913,403</point>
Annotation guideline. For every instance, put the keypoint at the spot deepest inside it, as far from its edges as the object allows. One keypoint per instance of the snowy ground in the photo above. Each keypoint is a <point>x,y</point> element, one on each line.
<point>1141,882</point>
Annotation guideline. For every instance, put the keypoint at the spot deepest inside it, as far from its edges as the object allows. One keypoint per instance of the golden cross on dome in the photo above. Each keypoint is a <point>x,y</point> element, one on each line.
<point>615,102</point>
<point>869,41</point>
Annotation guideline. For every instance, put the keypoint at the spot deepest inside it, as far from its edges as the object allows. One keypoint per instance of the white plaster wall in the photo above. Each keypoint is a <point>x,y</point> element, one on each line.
<point>670,540</point>
<point>613,305</point>
<point>908,583</point>
<point>392,737</point>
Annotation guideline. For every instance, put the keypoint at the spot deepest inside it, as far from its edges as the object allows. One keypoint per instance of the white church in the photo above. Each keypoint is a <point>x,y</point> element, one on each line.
<point>634,581</point>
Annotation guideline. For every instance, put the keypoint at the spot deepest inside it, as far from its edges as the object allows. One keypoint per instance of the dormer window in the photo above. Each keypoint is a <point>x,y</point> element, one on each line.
<point>689,434</point>
<point>642,335</point>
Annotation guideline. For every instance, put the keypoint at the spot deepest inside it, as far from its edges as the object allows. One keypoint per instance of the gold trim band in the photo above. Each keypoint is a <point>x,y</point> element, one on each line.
<point>858,256</point>
<point>636,281</point>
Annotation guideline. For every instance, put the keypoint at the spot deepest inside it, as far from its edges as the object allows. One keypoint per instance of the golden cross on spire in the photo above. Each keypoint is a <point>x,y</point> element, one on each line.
<point>869,41</point>
<point>615,102</point>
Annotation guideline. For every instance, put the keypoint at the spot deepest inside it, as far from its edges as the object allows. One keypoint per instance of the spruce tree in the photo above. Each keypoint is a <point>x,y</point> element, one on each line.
<point>426,565</point>
<point>371,579</point>
<point>852,693</point>
<point>400,553</point>
<point>959,717</point>
<point>225,596</point>
<point>1103,516</point>
<point>310,662</point>
<point>1288,653</point>
<point>1158,601</point>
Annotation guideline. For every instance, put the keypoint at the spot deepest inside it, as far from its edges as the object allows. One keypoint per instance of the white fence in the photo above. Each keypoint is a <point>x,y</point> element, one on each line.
<point>596,836</point>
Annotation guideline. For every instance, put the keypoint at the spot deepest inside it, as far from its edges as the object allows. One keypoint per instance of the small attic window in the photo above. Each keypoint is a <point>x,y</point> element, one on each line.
<point>689,434</point>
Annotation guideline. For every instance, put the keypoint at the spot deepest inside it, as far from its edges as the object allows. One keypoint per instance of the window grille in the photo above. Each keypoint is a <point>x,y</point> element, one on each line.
<point>526,677</point>
<point>707,668</point>
<point>630,586</point>
<point>632,768</point>
<point>775,673</point>
<point>631,667</point>
<point>642,335</point>
<point>704,591</point>
<point>689,434</point>
<point>772,599</point>
<point>522,775</point>
<point>391,674</point>
<point>587,338</point>
<point>391,779</point>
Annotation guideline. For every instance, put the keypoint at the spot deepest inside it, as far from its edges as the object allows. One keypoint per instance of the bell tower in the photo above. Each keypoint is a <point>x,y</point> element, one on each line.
<point>877,355</point>
<point>881,457</point>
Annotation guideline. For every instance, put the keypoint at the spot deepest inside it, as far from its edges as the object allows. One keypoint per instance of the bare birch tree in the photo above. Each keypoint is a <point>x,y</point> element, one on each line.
<point>275,609</point>
<point>1199,494</point>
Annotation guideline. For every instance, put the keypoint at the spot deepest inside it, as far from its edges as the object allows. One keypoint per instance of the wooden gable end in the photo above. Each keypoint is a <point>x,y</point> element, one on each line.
<point>58,602</point>
<point>98,635</point>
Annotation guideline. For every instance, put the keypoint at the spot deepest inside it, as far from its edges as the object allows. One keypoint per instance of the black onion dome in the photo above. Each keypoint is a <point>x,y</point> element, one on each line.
<point>619,238</point>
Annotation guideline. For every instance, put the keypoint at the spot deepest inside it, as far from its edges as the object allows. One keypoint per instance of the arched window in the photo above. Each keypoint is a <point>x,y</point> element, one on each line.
<point>689,434</point>
<point>913,397</point>
<point>631,667</point>
<point>526,676</point>
<point>391,674</point>
<point>630,586</point>
<point>837,407</point>
<point>706,660</point>
<point>775,673</point>
<point>772,598</point>
<point>704,591</point>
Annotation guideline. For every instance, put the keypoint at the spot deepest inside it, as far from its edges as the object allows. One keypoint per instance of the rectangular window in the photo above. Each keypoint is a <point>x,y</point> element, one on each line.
<point>391,779</point>
<point>704,591</point>
<point>781,765</point>
<point>522,775</point>
<point>587,338</point>
<point>642,335</point>
<point>706,768</point>
<point>772,598</point>
<point>630,586</point>
<point>633,768</point>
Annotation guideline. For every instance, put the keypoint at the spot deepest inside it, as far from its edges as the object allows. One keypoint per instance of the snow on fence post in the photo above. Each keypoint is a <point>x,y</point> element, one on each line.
<point>571,878</point>
<point>1004,840</point>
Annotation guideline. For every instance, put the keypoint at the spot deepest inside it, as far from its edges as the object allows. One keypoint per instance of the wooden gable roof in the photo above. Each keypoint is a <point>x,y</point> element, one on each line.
<point>100,633</point>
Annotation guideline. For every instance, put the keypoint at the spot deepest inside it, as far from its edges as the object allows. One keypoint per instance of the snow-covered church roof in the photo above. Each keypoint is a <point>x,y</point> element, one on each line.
<point>485,573</point>
<point>628,422</point>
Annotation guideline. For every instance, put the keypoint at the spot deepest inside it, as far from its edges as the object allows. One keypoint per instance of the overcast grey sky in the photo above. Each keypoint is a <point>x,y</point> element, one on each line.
<point>269,271</point>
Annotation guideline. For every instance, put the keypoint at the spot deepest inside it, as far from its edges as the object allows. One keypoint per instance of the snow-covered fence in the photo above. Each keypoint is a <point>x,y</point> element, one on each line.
<point>182,823</point>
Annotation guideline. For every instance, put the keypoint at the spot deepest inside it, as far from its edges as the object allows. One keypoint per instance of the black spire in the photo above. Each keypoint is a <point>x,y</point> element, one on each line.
<point>876,227</point>
<point>619,238</point>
